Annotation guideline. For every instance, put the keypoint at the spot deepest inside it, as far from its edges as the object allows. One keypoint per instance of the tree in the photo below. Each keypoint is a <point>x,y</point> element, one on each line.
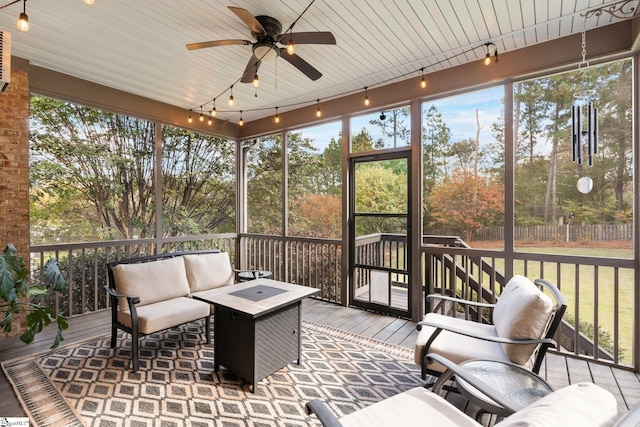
<point>97,170</point>
<point>435,144</point>
<point>468,202</point>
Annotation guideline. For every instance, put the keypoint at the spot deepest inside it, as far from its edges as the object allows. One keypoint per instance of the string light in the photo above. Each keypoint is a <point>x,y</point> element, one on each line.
<point>276,118</point>
<point>190,119</point>
<point>490,50</point>
<point>241,122</point>
<point>201,116</point>
<point>256,82</point>
<point>209,121</point>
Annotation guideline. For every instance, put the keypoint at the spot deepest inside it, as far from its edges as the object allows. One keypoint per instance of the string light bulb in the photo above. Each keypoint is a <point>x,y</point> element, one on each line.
<point>277,117</point>
<point>89,2</point>
<point>213,110</point>
<point>231,96</point>
<point>423,82</point>
<point>487,59</point>
<point>23,19</point>
<point>201,116</point>
<point>241,122</point>
<point>190,119</point>
<point>209,121</point>
<point>256,82</point>
<point>291,48</point>
<point>366,97</point>
<point>318,112</point>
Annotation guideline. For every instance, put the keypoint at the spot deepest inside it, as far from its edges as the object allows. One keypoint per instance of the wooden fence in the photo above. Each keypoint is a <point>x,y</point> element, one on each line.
<point>552,233</point>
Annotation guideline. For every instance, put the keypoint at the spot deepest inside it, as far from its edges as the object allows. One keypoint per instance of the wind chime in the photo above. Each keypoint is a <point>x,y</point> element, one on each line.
<point>584,115</point>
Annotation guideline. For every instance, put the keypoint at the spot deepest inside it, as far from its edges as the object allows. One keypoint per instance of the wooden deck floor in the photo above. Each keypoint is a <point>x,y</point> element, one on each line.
<point>558,370</point>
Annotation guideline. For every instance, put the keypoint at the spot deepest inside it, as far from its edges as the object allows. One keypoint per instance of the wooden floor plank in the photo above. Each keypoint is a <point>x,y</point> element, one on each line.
<point>629,385</point>
<point>603,376</point>
<point>578,371</point>
<point>556,370</point>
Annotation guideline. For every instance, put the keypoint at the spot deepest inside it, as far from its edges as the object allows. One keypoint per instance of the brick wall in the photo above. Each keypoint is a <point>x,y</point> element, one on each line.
<point>14,170</point>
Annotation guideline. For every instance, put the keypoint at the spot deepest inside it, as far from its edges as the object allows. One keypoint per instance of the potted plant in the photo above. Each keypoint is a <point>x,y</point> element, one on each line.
<point>18,296</point>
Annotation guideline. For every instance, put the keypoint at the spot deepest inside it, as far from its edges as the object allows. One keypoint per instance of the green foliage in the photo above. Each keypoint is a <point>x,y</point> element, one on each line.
<point>18,296</point>
<point>605,340</point>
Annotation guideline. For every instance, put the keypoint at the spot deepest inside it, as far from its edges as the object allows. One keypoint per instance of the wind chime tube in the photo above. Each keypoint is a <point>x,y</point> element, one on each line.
<point>579,134</point>
<point>590,133</point>
<point>595,130</point>
<point>574,133</point>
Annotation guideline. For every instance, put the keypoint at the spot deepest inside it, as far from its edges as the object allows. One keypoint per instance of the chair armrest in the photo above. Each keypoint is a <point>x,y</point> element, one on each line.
<point>460,301</point>
<point>440,327</point>
<point>324,414</point>
<point>131,298</point>
<point>485,388</point>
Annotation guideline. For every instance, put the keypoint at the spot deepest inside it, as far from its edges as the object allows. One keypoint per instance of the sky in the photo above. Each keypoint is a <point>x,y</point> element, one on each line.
<point>458,113</point>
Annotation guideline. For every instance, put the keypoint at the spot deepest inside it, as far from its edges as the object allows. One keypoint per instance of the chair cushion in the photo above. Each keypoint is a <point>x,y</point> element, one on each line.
<point>415,407</point>
<point>456,347</point>
<point>208,271</point>
<point>166,314</point>
<point>582,404</point>
<point>151,281</point>
<point>522,311</point>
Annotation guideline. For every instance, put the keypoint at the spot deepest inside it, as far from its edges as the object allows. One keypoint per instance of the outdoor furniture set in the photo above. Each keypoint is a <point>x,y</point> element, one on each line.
<point>257,330</point>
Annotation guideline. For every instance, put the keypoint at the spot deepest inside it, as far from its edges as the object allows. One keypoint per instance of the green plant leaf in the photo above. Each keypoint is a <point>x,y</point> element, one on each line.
<point>35,291</point>
<point>53,276</point>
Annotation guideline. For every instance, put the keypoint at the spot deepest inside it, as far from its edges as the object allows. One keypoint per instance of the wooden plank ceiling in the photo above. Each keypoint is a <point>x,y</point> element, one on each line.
<point>139,46</point>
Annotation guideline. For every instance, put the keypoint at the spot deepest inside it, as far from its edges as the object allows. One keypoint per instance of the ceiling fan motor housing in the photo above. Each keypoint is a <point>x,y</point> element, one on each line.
<point>272,28</point>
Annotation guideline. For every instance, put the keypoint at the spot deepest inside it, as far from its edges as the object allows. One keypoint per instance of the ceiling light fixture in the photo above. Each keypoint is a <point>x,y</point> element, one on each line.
<point>241,122</point>
<point>423,82</point>
<point>190,119</point>
<point>277,117</point>
<point>201,116</point>
<point>318,112</point>
<point>213,110</point>
<point>366,97</point>
<point>209,121</point>
<point>23,20</point>
<point>231,96</point>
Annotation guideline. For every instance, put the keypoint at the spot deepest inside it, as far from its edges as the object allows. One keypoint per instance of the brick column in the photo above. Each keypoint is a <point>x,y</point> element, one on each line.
<point>14,170</point>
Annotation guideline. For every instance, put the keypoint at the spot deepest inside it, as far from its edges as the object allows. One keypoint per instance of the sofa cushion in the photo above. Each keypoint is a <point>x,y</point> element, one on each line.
<point>166,314</point>
<point>582,404</point>
<point>456,347</point>
<point>152,281</point>
<point>414,407</point>
<point>208,271</point>
<point>522,311</point>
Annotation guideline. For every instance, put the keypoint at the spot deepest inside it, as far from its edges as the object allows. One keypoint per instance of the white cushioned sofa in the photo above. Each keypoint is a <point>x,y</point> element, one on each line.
<point>153,293</point>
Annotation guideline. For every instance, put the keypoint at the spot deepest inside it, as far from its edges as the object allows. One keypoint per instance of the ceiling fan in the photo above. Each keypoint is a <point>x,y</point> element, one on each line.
<point>267,33</point>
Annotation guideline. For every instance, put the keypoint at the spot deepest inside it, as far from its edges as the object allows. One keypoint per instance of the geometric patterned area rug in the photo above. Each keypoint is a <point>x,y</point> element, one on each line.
<point>90,384</point>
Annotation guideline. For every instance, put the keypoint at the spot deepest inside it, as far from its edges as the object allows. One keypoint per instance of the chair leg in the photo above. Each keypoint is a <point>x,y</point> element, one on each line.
<point>134,350</point>
<point>114,335</point>
<point>207,329</point>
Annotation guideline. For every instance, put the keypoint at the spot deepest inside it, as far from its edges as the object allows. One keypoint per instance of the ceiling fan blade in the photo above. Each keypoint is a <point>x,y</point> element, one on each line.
<point>201,45</point>
<point>312,37</point>
<point>300,64</point>
<point>248,19</point>
<point>251,69</point>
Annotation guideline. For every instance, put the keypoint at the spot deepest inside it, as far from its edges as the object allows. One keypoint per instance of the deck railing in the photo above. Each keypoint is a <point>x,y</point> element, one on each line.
<point>600,291</point>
